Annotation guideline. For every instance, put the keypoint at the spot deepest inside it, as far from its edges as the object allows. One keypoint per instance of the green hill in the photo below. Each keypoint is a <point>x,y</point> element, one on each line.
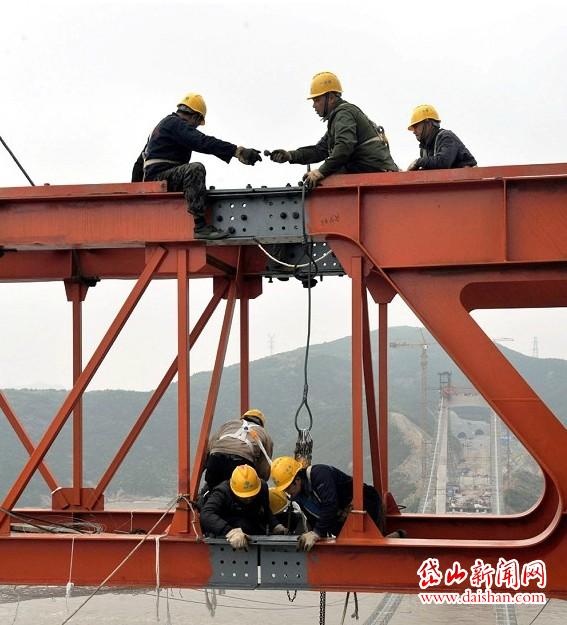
<point>276,388</point>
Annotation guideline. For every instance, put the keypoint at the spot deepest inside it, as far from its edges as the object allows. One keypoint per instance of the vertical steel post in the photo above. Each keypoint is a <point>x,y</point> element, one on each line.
<point>383,392</point>
<point>76,293</point>
<point>244,354</point>
<point>373,432</point>
<point>183,419</point>
<point>357,449</point>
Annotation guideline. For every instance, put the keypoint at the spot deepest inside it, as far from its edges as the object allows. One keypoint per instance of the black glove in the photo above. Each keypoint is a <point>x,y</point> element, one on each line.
<point>280,156</point>
<point>248,156</point>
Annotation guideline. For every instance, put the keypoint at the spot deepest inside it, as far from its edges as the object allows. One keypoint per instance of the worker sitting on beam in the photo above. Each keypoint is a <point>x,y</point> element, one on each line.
<point>168,151</point>
<point>324,494</point>
<point>238,508</point>
<point>352,144</point>
<point>439,148</point>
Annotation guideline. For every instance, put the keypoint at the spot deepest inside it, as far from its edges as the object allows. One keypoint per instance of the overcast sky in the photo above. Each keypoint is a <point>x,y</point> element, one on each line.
<point>83,83</point>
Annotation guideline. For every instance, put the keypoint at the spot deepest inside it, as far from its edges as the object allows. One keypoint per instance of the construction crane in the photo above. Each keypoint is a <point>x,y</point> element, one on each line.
<point>423,346</point>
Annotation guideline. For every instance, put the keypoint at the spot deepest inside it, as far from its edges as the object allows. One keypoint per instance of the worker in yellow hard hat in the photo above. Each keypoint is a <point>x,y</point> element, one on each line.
<point>239,441</point>
<point>168,151</point>
<point>239,507</point>
<point>287,512</point>
<point>352,144</point>
<point>324,494</point>
<point>439,148</point>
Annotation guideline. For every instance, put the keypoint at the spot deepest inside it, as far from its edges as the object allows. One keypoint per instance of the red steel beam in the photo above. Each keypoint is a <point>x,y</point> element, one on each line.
<point>373,432</point>
<point>79,387</point>
<point>357,428</point>
<point>383,394</point>
<point>183,380</point>
<point>76,293</point>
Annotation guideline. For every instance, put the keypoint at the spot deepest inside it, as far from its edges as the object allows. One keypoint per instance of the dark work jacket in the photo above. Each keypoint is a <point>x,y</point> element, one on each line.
<point>175,139</point>
<point>322,500</point>
<point>345,147</point>
<point>444,150</point>
<point>222,511</point>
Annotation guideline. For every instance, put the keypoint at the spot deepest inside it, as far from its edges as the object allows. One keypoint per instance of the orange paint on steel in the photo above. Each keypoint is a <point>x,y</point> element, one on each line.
<point>383,394</point>
<point>76,293</point>
<point>357,428</point>
<point>373,433</point>
<point>183,379</point>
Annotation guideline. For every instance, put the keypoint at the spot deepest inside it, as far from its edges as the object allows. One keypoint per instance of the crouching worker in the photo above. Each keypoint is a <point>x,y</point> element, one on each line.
<point>239,507</point>
<point>287,512</point>
<point>168,151</point>
<point>239,441</point>
<point>324,494</point>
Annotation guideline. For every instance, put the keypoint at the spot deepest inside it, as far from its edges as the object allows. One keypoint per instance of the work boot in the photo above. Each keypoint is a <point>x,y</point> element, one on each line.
<point>209,232</point>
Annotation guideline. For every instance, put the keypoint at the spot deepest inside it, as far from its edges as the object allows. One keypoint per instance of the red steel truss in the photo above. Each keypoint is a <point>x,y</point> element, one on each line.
<point>448,242</point>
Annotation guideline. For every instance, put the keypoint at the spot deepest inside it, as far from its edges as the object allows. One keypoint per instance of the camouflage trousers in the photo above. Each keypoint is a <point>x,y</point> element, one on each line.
<point>190,179</point>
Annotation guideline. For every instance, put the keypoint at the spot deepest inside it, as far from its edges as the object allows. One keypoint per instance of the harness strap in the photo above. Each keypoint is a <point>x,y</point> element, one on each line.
<point>243,433</point>
<point>154,161</point>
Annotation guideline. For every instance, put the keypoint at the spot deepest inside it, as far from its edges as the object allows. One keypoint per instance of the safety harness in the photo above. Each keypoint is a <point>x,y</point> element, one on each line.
<point>247,434</point>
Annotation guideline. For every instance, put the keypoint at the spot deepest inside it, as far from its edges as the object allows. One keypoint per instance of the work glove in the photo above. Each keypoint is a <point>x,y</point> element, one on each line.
<point>307,541</point>
<point>247,156</point>
<point>280,156</point>
<point>413,166</point>
<point>237,539</point>
<point>280,530</point>
<point>312,178</point>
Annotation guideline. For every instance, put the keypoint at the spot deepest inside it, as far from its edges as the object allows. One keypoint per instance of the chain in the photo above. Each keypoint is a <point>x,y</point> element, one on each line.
<point>322,604</point>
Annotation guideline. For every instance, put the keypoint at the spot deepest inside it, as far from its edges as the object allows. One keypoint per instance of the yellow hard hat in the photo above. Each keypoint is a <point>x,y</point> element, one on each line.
<point>422,112</point>
<point>196,103</point>
<point>324,82</point>
<point>278,500</point>
<point>254,412</point>
<point>284,470</point>
<point>244,481</point>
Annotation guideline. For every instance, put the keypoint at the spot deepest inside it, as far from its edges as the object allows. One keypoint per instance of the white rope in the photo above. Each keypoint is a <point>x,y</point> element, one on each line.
<point>284,264</point>
<point>70,585</point>
<point>198,537</point>
<point>124,560</point>
<point>158,575</point>
<point>211,602</point>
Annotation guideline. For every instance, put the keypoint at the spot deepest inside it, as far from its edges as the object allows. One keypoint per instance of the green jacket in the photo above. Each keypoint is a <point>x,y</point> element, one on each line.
<point>352,144</point>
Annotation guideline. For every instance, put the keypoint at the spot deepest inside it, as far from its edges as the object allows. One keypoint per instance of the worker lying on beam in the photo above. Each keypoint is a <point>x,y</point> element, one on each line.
<point>352,144</point>
<point>324,494</point>
<point>238,508</point>
<point>168,151</point>
<point>439,148</point>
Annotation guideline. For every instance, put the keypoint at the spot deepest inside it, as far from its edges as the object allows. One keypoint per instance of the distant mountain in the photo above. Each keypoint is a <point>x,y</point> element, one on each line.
<point>276,388</point>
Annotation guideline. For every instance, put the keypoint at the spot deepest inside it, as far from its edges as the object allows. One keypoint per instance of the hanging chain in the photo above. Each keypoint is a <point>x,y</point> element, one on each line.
<point>291,598</point>
<point>322,604</point>
<point>355,613</point>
